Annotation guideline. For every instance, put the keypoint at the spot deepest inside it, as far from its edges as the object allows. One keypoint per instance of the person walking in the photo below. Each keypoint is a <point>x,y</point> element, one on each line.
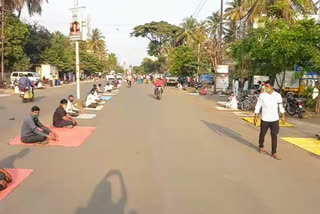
<point>236,88</point>
<point>270,102</point>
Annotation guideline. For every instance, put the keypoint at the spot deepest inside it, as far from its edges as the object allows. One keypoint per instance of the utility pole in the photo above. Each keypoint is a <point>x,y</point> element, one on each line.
<point>2,38</point>
<point>198,69</point>
<point>221,23</point>
<point>76,4</point>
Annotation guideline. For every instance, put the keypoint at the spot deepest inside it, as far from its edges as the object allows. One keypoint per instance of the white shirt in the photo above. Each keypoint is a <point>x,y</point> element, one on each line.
<point>90,99</point>
<point>271,105</point>
<point>232,104</point>
<point>236,84</point>
<point>70,107</point>
<point>246,86</point>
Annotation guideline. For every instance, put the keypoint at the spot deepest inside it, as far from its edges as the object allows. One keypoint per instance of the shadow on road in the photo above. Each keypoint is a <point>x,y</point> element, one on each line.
<point>152,96</point>
<point>38,98</point>
<point>8,162</point>
<point>101,201</point>
<point>229,133</point>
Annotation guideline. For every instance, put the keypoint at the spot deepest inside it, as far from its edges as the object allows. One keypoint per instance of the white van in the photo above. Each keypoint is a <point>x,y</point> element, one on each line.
<point>32,76</point>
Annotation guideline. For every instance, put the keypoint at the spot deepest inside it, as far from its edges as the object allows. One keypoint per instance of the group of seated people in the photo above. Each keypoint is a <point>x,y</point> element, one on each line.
<point>94,97</point>
<point>33,131</point>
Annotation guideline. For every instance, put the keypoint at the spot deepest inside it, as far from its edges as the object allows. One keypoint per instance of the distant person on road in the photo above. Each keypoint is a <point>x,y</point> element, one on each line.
<point>5,179</point>
<point>159,83</point>
<point>99,89</point>
<point>270,102</point>
<point>33,131</point>
<point>232,102</point>
<point>204,91</point>
<point>73,111</point>
<point>61,118</point>
<point>259,87</point>
<point>246,86</point>
<point>236,87</point>
<point>92,101</point>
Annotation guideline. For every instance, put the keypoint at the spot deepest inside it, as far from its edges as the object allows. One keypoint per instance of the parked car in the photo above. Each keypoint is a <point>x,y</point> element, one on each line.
<point>32,76</point>
<point>172,80</point>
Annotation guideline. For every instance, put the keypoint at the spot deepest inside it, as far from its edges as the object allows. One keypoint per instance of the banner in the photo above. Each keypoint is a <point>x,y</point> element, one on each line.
<point>78,25</point>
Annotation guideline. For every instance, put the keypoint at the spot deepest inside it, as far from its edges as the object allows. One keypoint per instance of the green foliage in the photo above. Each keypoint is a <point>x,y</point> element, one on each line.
<point>61,53</point>
<point>39,40</point>
<point>17,35</point>
<point>183,61</point>
<point>308,98</point>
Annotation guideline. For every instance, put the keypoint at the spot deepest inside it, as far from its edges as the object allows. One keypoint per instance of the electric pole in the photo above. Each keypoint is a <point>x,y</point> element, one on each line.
<point>76,4</point>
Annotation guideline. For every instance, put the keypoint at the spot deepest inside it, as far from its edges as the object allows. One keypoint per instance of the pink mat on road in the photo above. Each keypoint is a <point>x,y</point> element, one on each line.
<point>18,176</point>
<point>67,137</point>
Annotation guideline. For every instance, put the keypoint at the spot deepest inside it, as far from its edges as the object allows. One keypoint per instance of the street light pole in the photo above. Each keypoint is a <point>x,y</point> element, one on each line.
<point>76,4</point>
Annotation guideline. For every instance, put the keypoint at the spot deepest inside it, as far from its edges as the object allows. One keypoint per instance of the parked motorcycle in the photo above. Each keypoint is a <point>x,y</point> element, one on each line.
<point>247,102</point>
<point>158,92</point>
<point>294,106</point>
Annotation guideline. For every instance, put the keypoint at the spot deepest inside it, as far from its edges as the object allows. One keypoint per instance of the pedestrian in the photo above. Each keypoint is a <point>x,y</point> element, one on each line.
<point>270,102</point>
<point>259,87</point>
<point>236,88</point>
<point>246,86</point>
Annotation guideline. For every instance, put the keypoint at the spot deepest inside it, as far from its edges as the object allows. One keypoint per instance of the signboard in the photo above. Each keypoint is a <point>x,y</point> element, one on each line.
<point>222,82</point>
<point>256,79</point>
<point>223,69</point>
<point>78,25</point>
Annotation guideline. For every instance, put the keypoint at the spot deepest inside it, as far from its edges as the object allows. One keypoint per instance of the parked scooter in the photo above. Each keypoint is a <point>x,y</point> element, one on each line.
<point>295,106</point>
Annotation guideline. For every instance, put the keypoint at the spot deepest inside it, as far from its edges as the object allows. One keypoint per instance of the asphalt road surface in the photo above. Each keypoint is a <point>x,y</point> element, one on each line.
<point>174,156</point>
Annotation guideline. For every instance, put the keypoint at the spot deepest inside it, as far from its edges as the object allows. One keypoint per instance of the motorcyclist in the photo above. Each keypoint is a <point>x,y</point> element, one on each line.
<point>159,83</point>
<point>25,84</point>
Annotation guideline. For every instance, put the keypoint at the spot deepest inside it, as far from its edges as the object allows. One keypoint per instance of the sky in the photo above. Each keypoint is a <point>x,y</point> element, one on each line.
<point>117,18</point>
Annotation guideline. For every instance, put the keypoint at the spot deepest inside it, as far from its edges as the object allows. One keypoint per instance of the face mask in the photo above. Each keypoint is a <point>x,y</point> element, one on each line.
<point>268,90</point>
<point>35,116</point>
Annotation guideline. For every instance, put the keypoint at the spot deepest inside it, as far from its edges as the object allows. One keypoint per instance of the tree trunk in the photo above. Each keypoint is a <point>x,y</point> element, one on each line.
<point>2,38</point>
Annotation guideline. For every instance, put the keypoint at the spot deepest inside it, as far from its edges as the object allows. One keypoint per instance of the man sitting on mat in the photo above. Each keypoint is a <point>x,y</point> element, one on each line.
<point>100,89</point>
<point>71,110</point>
<point>108,88</point>
<point>5,179</point>
<point>61,118</point>
<point>92,101</point>
<point>33,131</point>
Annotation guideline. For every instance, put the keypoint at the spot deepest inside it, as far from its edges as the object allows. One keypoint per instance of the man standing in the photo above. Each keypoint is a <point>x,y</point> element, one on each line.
<point>270,102</point>
<point>246,86</point>
<point>30,131</point>
<point>61,118</point>
<point>236,88</point>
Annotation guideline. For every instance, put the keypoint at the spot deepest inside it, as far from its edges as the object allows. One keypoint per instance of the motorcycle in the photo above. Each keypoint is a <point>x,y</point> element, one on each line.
<point>294,106</point>
<point>158,92</point>
<point>27,95</point>
<point>247,102</point>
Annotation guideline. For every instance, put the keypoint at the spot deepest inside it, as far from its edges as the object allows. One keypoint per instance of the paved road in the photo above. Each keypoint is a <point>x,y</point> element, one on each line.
<point>174,156</point>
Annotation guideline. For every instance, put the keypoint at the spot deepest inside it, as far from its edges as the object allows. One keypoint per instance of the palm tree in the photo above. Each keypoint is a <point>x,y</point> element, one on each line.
<point>286,9</point>
<point>96,42</point>
<point>235,14</point>
<point>34,6</point>
<point>187,33</point>
<point>213,23</point>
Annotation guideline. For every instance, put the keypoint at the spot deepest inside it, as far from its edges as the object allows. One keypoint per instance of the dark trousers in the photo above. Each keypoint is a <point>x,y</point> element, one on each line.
<point>62,124</point>
<point>93,105</point>
<point>35,138</point>
<point>274,127</point>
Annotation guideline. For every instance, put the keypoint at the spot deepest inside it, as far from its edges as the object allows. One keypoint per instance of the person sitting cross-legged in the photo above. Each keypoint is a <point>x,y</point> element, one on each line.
<point>100,89</point>
<point>71,110</point>
<point>108,88</point>
<point>61,118</point>
<point>92,100</point>
<point>33,131</point>
<point>5,179</point>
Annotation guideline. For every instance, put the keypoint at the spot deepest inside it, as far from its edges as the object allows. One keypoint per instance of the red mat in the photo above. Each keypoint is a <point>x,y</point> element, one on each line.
<point>18,176</point>
<point>67,137</point>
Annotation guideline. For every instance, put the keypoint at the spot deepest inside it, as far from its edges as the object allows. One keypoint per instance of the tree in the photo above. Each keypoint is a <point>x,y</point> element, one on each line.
<point>235,14</point>
<point>285,9</point>
<point>33,6</point>
<point>188,31</point>
<point>60,53</point>
<point>39,40</point>
<point>96,42</point>
<point>183,61</point>
<point>17,36</point>
<point>112,62</point>
<point>158,33</point>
